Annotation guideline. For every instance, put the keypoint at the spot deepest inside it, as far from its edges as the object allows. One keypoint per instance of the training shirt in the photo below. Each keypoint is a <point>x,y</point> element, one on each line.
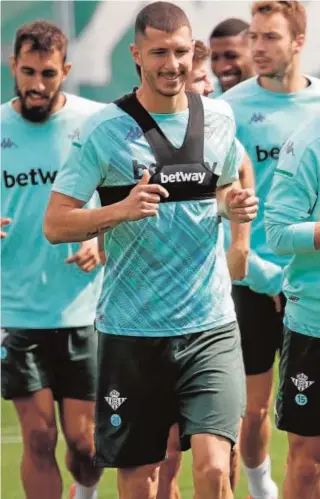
<point>38,289</point>
<point>292,210</point>
<point>264,121</point>
<point>165,275</point>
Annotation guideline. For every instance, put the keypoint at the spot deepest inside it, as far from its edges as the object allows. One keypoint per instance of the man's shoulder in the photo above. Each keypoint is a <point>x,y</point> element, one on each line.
<point>244,90</point>
<point>6,112</point>
<point>101,119</point>
<point>308,133</point>
<point>305,139</point>
<point>217,106</point>
<point>83,106</point>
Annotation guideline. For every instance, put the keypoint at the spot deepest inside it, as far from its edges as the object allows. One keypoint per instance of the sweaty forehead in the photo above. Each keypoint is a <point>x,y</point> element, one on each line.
<point>227,43</point>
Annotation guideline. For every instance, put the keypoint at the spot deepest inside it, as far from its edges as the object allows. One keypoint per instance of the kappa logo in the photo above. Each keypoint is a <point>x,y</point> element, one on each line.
<point>7,143</point>
<point>75,135</point>
<point>114,400</point>
<point>134,133</point>
<point>257,118</point>
<point>289,148</point>
<point>301,382</point>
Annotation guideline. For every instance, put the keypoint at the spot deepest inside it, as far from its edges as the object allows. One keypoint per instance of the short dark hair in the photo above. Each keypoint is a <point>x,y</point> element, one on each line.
<point>230,27</point>
<point>43,36</point>
<point>164,16</point>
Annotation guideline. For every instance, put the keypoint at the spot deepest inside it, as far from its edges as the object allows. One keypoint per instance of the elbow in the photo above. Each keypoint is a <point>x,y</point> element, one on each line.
<point>276,241</point>
<point>51,232</point>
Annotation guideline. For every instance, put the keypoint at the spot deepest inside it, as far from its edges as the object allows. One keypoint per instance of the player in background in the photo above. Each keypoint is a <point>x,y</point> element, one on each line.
<point>293,228</point>
<point>231,60</point>
<point>198,79</point>
<point>267,109</point>
<point>153,313</point>
<point>49,294</point>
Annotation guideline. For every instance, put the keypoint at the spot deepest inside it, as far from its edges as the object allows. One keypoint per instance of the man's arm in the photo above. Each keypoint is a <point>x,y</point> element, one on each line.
<point>237,204</point>
<point>66,221</point>
<point>238,252</point>
<point>294,193</point>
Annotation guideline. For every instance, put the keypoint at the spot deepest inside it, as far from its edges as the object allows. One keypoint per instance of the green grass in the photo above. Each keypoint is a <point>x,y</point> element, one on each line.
<point>11,452</point>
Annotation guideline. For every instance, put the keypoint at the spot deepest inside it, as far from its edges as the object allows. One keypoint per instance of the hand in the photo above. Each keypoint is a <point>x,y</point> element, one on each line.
<point>143,200</point>
<point>87,257</point>
<point>277,303</point>
<point>101,249</point>
<point>237,259</point>
<point>241,205</point>
<point>3,223</point>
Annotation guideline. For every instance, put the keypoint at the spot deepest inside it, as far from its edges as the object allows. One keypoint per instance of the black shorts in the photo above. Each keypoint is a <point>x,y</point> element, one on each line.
<point>261,328</point>
<point>298,398</point>
<point>64,360</point>
<point>147,384</point>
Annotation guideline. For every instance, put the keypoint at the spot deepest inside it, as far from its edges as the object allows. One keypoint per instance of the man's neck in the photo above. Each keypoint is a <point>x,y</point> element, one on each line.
<point>289,83</point>
<point>160,104</point>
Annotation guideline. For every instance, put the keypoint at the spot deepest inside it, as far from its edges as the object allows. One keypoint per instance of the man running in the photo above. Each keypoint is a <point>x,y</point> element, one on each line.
<point>49,294</point>
<point>267,109</point>
<point>293,228</point>
<point>167,327</point>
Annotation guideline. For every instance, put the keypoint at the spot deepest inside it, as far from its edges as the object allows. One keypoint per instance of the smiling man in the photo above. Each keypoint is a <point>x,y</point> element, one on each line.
<point>166,319</point>
<point>231,60</point>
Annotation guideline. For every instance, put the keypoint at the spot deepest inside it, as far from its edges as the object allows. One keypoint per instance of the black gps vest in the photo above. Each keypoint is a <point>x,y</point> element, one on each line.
<point>178,170</point>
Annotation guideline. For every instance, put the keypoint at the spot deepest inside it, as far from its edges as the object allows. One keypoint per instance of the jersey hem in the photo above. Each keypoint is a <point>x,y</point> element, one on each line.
<point>5,324</point>
<point>224,321</point>
<point>298,327</point>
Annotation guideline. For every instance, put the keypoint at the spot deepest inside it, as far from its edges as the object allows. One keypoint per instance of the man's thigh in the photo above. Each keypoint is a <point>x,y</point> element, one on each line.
<point>24,369</point>
<point>261,329</point>
<point>76,371</point>
<point>297,401</point>
<point>134,406</point>
<point>211,388</point>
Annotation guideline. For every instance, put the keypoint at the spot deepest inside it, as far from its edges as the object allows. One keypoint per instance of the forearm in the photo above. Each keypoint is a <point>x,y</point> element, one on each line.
<point>240,235</point>
<point>246,174</point>
<point>264,276</point>
<point>297,238</point>
<point>75,224</point>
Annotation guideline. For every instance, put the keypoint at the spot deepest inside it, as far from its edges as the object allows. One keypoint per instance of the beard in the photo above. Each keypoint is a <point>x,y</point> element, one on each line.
<point>36,114</point>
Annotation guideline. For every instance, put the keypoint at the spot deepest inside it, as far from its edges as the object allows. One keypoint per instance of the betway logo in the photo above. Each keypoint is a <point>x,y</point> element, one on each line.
<point>263,154</point>
<point>182,177</point>
<point>33,177</point>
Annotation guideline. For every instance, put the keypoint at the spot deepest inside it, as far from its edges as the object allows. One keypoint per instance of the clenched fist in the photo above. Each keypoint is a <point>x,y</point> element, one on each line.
<point>143,200</point>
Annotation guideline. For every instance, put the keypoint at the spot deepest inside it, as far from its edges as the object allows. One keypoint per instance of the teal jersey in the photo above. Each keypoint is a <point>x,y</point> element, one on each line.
<point>38,289</point>
<point>292,211</point>
<point>165,275</point>
<point>264,122</point>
